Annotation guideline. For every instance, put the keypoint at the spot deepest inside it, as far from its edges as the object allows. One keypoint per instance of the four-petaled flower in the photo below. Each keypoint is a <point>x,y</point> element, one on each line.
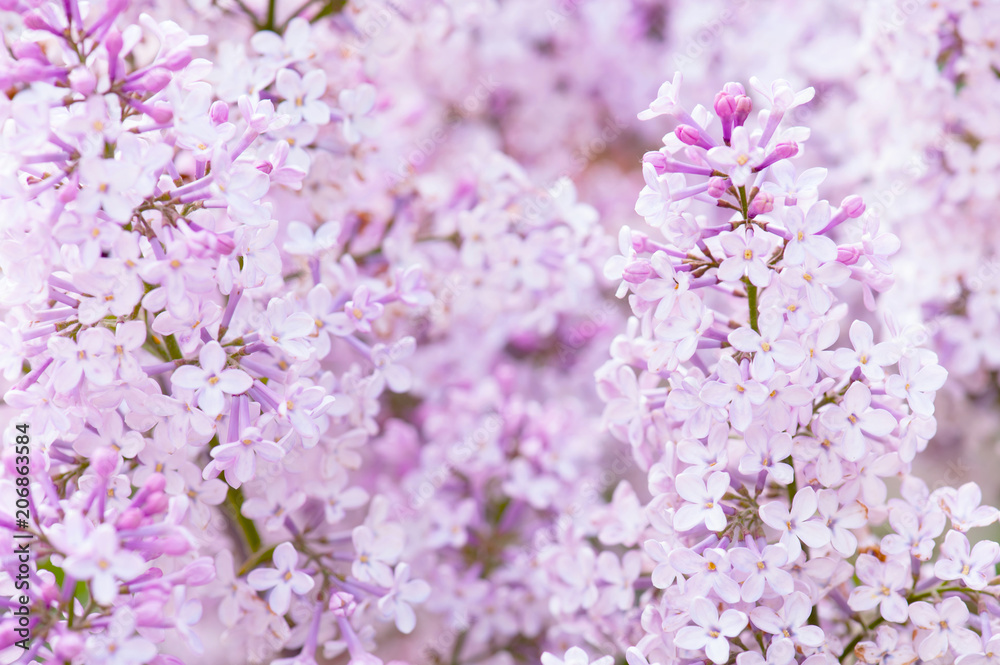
<point>943,626</point>
<point>211,380</point>
<point>880,587</point>
<point>702,497</point>
<point>975,566</point>
<point>283,580</point>
<point>712,631</point>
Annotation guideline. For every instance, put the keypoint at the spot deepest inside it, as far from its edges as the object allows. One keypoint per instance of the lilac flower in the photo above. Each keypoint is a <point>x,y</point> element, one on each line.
<point>283,580</point>
<point>119,644</point>
<point>666,99</point>
<point>707,571</point>
<point>987,656</point>
<point>712,632</point>
<point>792,186</point>
<point>886,650</point>
<point>746,256</point>
<point>358,313</point>
<point>963,507</point>
<point>867,355</point>
<point>83,359</point>
<point>101,560</point>
<point>374,554</point>
<point>855,418</point>
<point>654,202</point>
<point>665,288</point>
<point>806,231</point>
<point>766,348</point>
<point>736,391</point>
<point>976,567</point>
<point>767,454</point>
<point>797,524</point>
<point>211,381</point>
<point>687,328</point>
<point>943,626</point>
<point>916,384</point>
<point>702,497</point>
<point>789,621</point>
<point>765,568</point>
<point>238,459</point>
<point>287,329</point>
<point>302,96</point>
<point>739,158</point>
<point>402,593</point>
<point>915,532</point>
<point>841,520</point>
<point>880,587</point>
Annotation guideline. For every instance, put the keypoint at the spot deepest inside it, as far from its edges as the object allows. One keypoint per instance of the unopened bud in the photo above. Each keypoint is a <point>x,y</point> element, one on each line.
<point>687,134</point>
<point>853,206</point>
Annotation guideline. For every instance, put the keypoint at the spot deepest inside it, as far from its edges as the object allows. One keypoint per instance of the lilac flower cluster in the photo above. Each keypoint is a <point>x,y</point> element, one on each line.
<point>304,310</point>
<point>174,354</point>
<point>251,421</point>
<point>768,446</point>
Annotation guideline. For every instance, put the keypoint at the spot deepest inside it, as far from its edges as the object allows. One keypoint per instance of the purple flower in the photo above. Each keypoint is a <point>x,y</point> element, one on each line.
<point>797,524</point>
<point>283,580</point>
<point>702,501</point>
<point>211,381</point>
<point>712,632</point>
<point>942,627</point>
<point>975,567</point>
<point>880,587</point>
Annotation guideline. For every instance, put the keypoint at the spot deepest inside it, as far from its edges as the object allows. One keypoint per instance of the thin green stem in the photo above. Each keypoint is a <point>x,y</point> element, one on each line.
<point>456,651</point>
<point>173,349</point>
<point>752,301</point>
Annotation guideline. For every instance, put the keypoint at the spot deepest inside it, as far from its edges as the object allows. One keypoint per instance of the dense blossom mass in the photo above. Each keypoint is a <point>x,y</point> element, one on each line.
<point>374,332</point>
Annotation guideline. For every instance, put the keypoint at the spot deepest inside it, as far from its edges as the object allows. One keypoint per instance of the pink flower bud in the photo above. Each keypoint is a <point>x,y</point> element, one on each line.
<point>786,149</point>
<point>743,108</point>
<point>725,105</point>
<point>762,203</point>
<point>219,112</point>
<point>113,44</point>
<point>853,205</point>
<point>657,159</point>
<point>264,167</point>
<point>156,503</point>
<point>687,134</point>
<point>637,272</point>
<point>155,483</point>
<point>131,518</point>
<point>734,89</point>
<point>848,254</point>
<point>717,186</point>
<point>175,544</point>
<point>342,604</point>
<point>639,241</point>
